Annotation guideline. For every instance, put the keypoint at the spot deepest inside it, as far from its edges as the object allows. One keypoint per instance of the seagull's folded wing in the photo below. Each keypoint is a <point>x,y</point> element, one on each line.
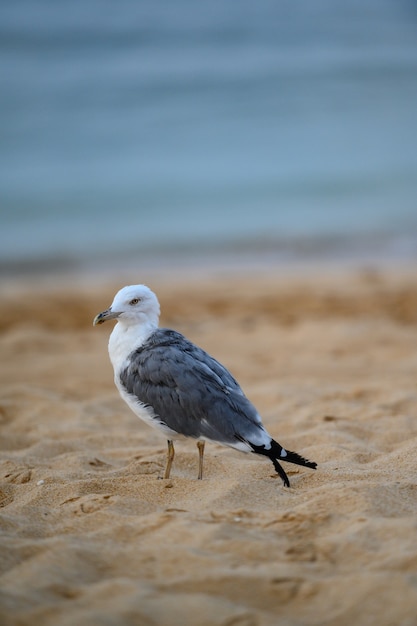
<point>190,392</point>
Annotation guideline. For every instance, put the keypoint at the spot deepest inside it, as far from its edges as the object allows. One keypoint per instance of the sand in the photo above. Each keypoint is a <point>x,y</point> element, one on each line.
<point>91,535</point>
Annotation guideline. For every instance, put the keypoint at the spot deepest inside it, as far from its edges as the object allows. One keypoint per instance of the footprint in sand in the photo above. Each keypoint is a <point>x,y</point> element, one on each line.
<point>90,503</point>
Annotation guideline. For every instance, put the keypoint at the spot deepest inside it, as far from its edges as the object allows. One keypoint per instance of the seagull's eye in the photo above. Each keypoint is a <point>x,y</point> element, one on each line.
<point>134,301</point>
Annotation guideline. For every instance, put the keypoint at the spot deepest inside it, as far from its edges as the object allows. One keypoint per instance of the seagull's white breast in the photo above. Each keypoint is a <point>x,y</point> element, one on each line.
<point>123,341</point>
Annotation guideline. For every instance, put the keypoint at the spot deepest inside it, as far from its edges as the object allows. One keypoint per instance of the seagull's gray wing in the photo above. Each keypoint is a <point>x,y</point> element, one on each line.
<point>189,391</point>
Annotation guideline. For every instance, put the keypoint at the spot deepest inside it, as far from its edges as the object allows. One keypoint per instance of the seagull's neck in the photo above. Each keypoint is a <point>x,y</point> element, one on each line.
<point>125,339</point>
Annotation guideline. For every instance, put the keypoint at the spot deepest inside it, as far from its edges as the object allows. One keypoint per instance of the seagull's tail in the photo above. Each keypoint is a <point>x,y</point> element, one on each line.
<point>276,452</point>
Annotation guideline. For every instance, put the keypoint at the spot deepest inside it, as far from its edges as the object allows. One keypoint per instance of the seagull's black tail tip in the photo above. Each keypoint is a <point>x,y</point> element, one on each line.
<point>293,457</point>
<point>276,452</point>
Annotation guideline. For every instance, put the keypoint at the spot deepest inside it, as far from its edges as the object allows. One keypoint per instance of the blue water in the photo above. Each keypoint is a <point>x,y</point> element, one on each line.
<point>142,128</point>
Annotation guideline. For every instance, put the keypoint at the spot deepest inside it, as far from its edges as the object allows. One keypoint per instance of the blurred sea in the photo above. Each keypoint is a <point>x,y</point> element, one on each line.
<point>139,130</point>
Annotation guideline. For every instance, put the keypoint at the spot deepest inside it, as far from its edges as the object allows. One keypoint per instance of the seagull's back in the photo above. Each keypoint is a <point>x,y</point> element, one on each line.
<point>190,392</point>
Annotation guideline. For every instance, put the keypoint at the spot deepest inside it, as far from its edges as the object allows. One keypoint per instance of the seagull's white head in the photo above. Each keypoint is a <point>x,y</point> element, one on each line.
<point>132,305</point>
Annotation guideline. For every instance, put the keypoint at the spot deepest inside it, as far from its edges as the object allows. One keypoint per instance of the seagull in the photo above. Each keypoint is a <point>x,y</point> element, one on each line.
<point>176,387</point>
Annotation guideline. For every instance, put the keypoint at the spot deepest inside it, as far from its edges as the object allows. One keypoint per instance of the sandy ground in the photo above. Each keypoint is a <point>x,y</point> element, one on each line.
<point>89,532</point>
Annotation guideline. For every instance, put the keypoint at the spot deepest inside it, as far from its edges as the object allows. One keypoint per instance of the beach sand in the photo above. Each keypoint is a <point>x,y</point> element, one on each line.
<point>89,532</point>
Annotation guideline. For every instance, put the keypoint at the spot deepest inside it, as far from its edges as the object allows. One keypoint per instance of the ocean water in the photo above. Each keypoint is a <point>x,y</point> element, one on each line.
<point>146,130</point>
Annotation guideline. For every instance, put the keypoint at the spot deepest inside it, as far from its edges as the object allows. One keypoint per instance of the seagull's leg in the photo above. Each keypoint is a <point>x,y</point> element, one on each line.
<point>170,458</point>
<point>200,446</point>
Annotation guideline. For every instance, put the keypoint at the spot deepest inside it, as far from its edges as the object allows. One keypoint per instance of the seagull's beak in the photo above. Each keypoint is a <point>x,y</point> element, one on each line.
<point>104,316</point>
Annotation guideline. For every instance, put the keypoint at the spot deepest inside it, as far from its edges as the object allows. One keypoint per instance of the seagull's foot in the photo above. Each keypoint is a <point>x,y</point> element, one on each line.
<point>200,446</point>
